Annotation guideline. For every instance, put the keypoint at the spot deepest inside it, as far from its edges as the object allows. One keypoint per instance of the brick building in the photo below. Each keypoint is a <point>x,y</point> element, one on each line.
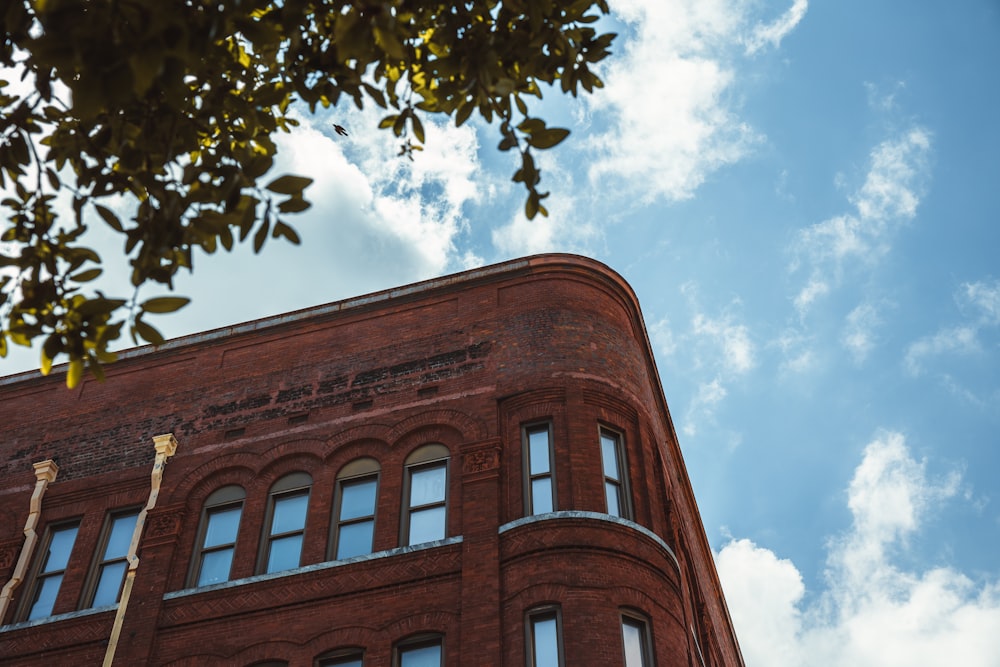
<point>474,470</point>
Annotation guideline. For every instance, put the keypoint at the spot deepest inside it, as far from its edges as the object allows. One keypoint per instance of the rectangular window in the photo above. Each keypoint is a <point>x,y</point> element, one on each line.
<point>635,641</point>
<point>108,573</point>
<point>343,658</point>
<point>540,490</point>
<point>288,526</point>
<point>544,638</point>
<point>427,507</point>
<point>222,525</point>
<point>420,653</point>
<point>54,557</point>
<point>615,481</point>
<point>356,516</point>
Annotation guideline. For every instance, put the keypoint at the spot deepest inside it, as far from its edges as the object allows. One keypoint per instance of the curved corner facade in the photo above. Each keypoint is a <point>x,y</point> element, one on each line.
<point>473,470</point>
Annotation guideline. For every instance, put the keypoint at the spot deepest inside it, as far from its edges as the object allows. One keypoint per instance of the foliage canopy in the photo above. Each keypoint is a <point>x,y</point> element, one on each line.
<point>174,103</point>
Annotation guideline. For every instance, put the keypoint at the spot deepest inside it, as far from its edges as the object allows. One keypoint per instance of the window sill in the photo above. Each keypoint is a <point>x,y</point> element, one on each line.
<point>315,567</point>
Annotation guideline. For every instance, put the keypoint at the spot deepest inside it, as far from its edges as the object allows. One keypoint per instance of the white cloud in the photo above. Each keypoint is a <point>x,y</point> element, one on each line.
<point>887,200</point>
<point>980,300</point>
<point>702,406</point>
<point>673,121</point>
<point>771,34</point>
<point>950,340</point>
<point>663,337</point>
<point>733,340</point>
<point>858,336</point>
<point>872,612</point>
<point>982,296</point>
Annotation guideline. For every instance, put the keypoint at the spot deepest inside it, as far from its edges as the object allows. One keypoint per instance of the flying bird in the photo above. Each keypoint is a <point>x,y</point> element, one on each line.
<point>340,129</point>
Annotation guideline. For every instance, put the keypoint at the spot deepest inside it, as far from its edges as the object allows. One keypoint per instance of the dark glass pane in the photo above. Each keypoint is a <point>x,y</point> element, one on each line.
<point>120,536</point>
<point>215,567</point>
<point>633,635</point>
<point>541,495</point>
<point>538,451</point>
<point>423,656</point>
<point>60,547</point>
<point>347,661</point>
<point>355,539</point>
<point>609,454</point>
<point>45,597</point>
<point>357,499</point>
<point>286,552</point>
<point>427,525</point>
<point>427,485</point>
<point>611,491</point>
<point>110,583</point>
<point>223,524</point>
<point>341,662</point>
<point>545,642</point>
<point>289,513</point>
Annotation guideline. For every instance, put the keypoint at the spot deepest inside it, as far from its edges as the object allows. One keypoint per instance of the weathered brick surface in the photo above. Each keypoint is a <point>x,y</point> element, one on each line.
<point>463,361</point>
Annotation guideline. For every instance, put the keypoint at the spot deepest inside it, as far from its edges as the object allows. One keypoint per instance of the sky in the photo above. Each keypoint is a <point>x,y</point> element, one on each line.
<point>804,196</point>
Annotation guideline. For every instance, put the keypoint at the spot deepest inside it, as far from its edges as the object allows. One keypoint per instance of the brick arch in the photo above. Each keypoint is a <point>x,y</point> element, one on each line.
<point>534,595</point>
<point>439,622</point>
<point>469,428</point>
<point>369,431</point>
<point>425,434</point>
<point>286,463</point>
<point>347,450</point>
<point>266,650</point>
<point>630,597</point>
<point>355,636</point>
<point>199,483</point>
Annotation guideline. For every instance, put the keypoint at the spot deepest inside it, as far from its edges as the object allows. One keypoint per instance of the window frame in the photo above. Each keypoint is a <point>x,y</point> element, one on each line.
<point>355,472</point>
<point>534,615</point>
<point>38,573</point>
<point>529,476</point>
<point>223,498</point>
<point>621,483</point>
<point>101,562</point>
<point>642,623</point>
<point>424,458</point>
<point>417,642</point>
<point>340,657</point>
<point>292,485</point>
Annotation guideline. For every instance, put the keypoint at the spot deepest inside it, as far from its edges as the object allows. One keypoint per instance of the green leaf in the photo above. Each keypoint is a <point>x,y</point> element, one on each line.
<point>289,185</point>
<point>548,137</point>
<point>109,217</point>
<point>294,205</point>
<point>164,304</point>
<point>86,276</point>
<point>418,128</point>
<point>74,373</point>
<point>146,332</point>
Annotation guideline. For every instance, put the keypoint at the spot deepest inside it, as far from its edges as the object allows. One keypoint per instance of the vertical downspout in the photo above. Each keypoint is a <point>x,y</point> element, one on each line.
<point>45,472</point>
<point>165,446</point>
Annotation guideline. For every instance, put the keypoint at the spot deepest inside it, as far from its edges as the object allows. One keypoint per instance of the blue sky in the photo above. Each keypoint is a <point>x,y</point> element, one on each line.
<point>804,196</point>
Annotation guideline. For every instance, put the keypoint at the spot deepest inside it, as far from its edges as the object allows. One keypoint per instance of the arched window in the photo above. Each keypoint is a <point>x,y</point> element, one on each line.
<point>420,651</point>
<point>217,530</point>
<point>348,657</point>
<point>539,484</point>
<point>425,495</point>
<point>50,566</point>
<point>543,637</point>
<point>636,642</point>
<point>354,509</point>
<point>615,474</point>
<point>285,523</point>
<point>108,572</point>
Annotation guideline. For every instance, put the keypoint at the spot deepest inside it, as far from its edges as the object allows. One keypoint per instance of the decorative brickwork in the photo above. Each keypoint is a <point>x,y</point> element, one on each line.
<point>457,370</point>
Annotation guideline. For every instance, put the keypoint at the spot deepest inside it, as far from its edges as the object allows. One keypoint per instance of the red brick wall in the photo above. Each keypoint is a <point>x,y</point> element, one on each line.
<point>464,361</point>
